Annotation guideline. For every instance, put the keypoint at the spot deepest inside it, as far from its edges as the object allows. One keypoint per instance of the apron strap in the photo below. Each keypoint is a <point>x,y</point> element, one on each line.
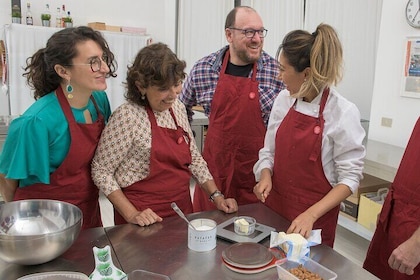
<point>319,129</point>
<point>66,106</point>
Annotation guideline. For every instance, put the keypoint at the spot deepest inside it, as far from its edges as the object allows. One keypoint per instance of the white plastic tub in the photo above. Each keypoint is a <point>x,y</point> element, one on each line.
<point>284,265</point>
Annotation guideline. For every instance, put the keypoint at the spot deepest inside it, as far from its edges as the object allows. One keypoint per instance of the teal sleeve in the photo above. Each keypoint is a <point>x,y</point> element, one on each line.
<point>25,153</point>
<point>39,140</point>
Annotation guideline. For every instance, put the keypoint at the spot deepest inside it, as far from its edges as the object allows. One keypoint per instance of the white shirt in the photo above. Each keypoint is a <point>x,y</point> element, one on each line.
<point>342,149</point>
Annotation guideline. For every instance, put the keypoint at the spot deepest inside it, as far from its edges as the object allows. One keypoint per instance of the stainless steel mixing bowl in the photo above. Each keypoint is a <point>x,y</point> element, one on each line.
<point>37,231</point>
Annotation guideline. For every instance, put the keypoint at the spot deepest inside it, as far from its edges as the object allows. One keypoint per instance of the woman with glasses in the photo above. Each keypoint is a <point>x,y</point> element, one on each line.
<point>236,86</point>
<point>49,148</point>
<point>147,153</point>
<point>313,153</point>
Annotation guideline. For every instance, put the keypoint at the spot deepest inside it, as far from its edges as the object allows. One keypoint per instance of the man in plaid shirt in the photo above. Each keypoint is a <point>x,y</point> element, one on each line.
<point>236,86</point>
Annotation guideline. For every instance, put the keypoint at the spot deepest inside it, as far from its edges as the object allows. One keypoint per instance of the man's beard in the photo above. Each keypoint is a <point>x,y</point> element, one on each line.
<point>246,58</point>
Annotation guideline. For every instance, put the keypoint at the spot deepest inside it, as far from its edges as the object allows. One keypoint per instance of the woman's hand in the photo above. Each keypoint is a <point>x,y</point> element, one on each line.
<point>144,218</point>
<point>228,205</point>
<point>130,213</point>
<point>303,224</point>
<point>263,187</point>
<point>8,188</point>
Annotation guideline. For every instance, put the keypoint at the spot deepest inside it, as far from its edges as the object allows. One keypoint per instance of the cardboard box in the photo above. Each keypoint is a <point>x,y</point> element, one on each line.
<point>370,206</point>
<point>97,25</point>
<point>113,28</point>
<point>370,183</point>
<point>198,108</point>
<point>350,208</point>
<point>135,30</point>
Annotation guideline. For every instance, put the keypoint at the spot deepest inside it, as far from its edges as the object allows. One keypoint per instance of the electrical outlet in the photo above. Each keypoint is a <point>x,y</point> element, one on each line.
<point>387,122</point>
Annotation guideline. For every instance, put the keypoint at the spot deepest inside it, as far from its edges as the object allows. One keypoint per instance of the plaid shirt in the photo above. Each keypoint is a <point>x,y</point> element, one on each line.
<point>201,83</point>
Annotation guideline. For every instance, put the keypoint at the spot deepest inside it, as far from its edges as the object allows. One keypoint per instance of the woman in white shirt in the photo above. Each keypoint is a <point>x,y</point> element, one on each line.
<point>313,154</point>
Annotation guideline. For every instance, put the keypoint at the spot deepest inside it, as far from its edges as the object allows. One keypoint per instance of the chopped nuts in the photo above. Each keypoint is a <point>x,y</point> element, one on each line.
<point>304,274</point>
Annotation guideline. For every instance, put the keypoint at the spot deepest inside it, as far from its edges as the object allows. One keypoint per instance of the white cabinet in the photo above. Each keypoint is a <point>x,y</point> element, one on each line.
<point>199,127</point>
<point>23,41</point>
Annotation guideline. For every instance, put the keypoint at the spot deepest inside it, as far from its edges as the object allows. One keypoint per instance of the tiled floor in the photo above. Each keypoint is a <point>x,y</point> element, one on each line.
<point>347,243</point>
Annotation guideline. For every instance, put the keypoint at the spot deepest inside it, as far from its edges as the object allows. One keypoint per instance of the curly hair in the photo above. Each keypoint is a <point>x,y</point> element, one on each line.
<point>61,49</point>
<point>154,65</point>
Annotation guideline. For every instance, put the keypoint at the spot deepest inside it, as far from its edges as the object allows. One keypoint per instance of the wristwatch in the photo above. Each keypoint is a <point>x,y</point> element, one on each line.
<point>216,194</point>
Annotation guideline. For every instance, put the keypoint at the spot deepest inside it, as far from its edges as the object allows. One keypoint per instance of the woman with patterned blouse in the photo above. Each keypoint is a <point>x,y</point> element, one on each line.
<point>147,153</point>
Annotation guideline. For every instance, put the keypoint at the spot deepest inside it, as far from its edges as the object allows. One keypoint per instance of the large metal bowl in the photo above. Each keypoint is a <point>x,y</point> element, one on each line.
<point>37,231</point>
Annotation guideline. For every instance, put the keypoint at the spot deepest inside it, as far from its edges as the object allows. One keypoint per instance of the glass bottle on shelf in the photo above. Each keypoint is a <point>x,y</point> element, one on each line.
<point>46,16</point>
<point>16,14</point>
<point>63,15</point>
<point>29,19</point>
<point>58,22</point>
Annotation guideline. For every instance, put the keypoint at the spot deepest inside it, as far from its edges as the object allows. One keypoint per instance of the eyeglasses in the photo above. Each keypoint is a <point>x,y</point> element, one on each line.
<point>95,63</point>
<point>250,33</point>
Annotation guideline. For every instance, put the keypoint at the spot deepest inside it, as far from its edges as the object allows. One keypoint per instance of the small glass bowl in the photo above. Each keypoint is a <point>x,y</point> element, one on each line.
<point>244,229</point>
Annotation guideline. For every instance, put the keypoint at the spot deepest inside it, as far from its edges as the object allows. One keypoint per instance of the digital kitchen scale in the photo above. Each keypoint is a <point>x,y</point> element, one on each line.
<point>226,231</point>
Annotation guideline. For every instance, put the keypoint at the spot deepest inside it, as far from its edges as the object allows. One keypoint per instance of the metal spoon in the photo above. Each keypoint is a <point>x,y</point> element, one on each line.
<point>181,214</point>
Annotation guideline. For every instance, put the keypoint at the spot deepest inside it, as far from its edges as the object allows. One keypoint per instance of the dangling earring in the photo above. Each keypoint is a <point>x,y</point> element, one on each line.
<point>143,97</point>
<point>69,89</point>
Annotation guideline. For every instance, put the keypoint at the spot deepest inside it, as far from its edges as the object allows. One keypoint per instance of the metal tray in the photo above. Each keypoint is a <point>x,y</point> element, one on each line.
<point>226,231</point>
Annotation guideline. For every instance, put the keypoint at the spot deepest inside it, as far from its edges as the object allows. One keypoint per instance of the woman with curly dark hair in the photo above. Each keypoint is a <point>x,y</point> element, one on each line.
<point>49,149</point>
<point>147,153</point>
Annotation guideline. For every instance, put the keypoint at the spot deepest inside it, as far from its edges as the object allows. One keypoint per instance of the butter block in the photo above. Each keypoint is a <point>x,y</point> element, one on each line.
<point>243,225</point>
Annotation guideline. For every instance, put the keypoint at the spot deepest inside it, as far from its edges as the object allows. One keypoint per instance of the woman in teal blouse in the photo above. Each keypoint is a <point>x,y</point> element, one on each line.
<point>49,149</point>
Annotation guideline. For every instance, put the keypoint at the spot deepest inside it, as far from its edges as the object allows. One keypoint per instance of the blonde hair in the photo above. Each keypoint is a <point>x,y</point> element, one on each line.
<point>321,51</point>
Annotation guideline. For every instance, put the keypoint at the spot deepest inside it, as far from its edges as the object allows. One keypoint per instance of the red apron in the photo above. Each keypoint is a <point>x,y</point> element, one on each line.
<point>400,215</point>
<point>235,136</point>
<point>169,176</point>
<point>298,176</point>
<point>71,181</point>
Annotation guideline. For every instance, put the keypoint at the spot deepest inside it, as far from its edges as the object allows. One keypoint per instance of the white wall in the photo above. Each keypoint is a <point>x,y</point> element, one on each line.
<point>201,28</point>
<point>387,100</point>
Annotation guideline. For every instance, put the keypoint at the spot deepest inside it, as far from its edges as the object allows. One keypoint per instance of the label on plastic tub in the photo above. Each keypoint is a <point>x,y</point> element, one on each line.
<point>203,237</point>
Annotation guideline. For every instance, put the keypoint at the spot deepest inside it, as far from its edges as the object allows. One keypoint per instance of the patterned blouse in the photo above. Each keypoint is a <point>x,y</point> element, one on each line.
<point>123,154</point>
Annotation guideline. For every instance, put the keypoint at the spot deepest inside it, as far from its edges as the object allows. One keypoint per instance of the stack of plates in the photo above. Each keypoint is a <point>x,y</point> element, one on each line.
<point>248,258</point>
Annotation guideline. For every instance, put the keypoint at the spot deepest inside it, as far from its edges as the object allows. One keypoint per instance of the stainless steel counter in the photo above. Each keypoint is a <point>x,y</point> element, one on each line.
<point>162,248</point>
